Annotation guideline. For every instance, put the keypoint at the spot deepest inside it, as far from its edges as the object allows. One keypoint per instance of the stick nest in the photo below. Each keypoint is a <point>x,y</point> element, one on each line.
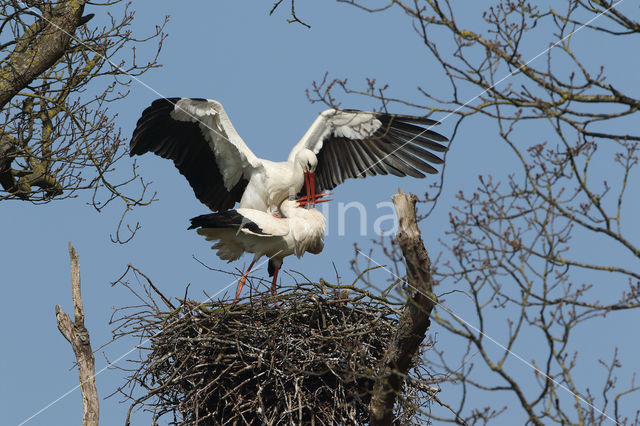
<point>310,359</point>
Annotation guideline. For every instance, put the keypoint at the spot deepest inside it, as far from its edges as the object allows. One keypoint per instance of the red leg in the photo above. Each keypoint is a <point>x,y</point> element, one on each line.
<point>275,279</point>
<point>243,279</point>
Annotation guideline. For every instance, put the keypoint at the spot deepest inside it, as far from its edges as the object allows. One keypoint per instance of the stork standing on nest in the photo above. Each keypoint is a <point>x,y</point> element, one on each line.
<point>340,144</point>
<point>254,231</point>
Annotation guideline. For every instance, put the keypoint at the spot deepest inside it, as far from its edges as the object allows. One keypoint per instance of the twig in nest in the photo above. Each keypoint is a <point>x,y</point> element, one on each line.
<point>311,359</point>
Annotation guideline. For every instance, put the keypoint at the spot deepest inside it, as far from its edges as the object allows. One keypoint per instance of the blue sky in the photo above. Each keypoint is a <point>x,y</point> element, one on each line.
<point>258,67</point>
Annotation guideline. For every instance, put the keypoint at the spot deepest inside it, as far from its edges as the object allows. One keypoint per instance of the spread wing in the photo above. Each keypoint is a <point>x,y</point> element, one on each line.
<point>203,144</point>
<point>355,144</point>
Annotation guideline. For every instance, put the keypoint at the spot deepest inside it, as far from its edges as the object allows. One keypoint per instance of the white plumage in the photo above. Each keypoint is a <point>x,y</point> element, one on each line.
<point>340,144</point>
<point>254,231</point>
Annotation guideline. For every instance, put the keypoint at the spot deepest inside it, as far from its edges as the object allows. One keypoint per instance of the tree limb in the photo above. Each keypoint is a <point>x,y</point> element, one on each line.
<point>414,320</point>
<point>45,41</point>
<point>76,333</point>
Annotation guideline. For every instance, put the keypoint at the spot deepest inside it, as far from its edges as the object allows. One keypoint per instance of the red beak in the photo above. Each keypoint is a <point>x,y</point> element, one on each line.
<point>303,200</point>
<point>307,185</point>
<point>323,201</point>
<point>312,184</point>
<point>311,199</point>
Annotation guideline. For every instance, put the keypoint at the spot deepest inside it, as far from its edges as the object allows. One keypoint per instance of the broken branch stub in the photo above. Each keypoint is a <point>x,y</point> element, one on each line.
<point>414,320</point>
<point>77,334</point>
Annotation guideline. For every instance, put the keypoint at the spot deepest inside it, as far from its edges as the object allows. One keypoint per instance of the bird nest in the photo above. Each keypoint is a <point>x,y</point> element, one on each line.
<point>309,359</point>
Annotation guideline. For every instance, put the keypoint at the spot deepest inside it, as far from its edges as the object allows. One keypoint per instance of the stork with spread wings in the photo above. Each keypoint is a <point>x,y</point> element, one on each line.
<point>340,144</point>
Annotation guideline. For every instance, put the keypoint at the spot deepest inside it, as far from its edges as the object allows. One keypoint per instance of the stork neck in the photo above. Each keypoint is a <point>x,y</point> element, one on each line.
<point>289,208</point>
<point>297,165</point>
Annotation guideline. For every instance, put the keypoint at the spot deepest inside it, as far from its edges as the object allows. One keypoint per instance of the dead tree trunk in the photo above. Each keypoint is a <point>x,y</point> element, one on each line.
<point>414,320</point>
<point>76,333</point>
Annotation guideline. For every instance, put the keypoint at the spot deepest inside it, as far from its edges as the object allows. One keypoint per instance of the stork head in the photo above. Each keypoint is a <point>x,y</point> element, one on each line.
<point>307,160</point>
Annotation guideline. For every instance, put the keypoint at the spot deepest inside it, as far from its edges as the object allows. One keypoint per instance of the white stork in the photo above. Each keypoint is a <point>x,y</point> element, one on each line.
<point>254,231</point>
<point>340,144</point>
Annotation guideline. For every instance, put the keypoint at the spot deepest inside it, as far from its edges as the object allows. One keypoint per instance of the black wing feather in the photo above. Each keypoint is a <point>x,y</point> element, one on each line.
<point>348,158</point>
<point>185,144</point>
<point>227,219</point>
<point>418,139</point>
<point>396,153</point>
<point>401,146</point>
<point>387,159</point>
<point>415,155</point>
<point>367,159</point>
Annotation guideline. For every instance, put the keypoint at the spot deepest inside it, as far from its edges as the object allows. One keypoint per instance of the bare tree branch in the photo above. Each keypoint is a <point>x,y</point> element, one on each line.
<point>544,244</point>
<point>77,334</point>
<point>41,45</point>
<point>294,18</point>
<point>59,76</point>
<point>414,320</point>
